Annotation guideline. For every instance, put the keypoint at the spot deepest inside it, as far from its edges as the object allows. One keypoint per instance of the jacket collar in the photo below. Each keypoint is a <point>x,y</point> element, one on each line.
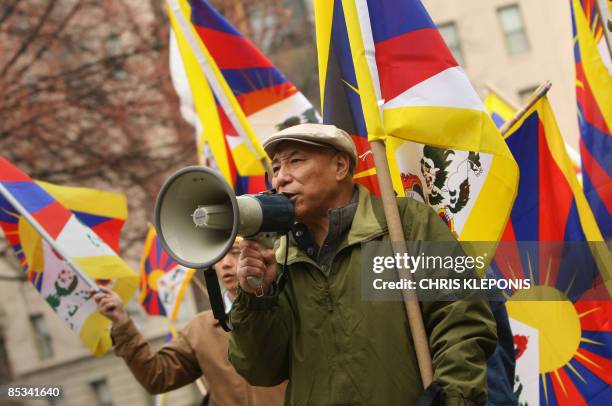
<point>368,223</point>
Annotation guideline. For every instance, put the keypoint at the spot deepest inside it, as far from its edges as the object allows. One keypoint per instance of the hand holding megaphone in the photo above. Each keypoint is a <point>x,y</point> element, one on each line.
<point>256,263</point>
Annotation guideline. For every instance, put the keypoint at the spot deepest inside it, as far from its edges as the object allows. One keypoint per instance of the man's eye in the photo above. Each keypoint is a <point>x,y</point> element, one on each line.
<point>275,169</point>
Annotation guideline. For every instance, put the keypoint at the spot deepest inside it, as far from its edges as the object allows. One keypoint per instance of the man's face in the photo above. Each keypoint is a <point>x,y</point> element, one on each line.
<point>226,268</point>
<point>307,175</point>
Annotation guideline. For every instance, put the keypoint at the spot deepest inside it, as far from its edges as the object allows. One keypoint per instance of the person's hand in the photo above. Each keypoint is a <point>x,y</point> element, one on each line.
<point>258,262</point>
<point>109,304</point>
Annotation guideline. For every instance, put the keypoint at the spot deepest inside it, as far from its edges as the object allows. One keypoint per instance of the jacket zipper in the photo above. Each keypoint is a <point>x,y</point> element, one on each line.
<point>328,296</point>
<point>330,303</point>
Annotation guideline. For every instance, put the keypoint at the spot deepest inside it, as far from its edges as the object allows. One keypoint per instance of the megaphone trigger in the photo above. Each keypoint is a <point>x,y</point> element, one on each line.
<point>257,284</point>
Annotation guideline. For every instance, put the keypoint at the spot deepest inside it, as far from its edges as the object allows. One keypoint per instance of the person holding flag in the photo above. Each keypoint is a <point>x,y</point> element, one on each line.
<point>200,348</point>
<point>316,330</point>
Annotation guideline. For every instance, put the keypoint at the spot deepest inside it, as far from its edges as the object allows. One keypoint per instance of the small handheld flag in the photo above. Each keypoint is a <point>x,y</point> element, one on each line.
<point>68,260</point>
<point>162,280</point>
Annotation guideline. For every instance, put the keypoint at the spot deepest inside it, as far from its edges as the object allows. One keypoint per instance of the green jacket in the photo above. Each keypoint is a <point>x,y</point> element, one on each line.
<point>338,349</point>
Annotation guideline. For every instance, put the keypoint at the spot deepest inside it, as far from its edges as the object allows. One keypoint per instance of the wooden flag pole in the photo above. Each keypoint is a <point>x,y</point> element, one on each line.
<point>537,95</point>
<point>265,162</point>
<point>396,234</point>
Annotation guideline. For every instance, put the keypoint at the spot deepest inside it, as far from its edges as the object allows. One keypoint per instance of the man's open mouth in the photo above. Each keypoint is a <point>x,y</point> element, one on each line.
<point>290,196</point>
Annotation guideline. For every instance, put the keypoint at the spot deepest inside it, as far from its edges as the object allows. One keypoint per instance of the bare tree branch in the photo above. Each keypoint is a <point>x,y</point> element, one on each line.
<point>86,97</point>
<point>28,41</point>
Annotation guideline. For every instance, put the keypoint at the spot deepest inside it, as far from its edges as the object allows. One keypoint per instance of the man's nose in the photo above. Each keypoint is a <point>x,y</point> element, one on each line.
<point>226,262</point>
<point>282,178</point>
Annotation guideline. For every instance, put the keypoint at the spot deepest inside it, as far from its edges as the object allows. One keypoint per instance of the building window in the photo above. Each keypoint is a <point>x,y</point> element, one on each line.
<point>43,338</point>
<point>514,30</point>
<point>451,37</point>
<point>525,93</point>
<point>102,392</point>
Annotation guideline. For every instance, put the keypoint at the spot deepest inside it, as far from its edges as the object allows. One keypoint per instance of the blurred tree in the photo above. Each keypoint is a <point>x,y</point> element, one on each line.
<point>86,97</point>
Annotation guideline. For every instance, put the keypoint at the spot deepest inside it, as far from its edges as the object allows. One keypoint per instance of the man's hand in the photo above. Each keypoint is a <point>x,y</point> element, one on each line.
<point>256,261</point>
<point>109,304</point>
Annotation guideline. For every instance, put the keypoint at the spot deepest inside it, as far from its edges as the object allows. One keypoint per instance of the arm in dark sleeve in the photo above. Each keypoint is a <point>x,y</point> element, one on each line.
<point>173,366</point>
<point>462,334</point>
<point>259,340</point>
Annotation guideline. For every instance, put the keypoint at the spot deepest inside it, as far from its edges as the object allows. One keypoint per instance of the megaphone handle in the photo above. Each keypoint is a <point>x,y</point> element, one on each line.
<point>267,240</point>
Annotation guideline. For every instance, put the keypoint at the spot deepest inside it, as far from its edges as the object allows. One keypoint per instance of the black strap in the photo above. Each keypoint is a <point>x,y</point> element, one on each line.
<point>215,297</point>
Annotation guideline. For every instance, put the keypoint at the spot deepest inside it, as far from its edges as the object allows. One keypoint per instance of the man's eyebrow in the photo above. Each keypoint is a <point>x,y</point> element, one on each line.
<point>288,155</point>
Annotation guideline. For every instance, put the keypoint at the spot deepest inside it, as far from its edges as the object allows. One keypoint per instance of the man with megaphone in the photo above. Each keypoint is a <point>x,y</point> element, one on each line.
<point>310,324</point>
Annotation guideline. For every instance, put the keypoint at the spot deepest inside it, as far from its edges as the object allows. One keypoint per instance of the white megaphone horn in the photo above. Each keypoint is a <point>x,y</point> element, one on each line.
<point>198,216</point>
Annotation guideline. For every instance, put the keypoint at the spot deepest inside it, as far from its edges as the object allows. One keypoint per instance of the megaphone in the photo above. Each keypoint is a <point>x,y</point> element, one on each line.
<point>198,216</point>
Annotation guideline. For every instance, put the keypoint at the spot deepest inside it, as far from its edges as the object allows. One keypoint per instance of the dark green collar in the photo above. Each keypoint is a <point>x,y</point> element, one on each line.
<point>368,223</point>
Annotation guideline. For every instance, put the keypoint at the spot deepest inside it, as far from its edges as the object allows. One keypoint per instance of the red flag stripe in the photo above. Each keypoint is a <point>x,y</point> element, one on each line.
<point>223,48</point>
<point>409,59</point>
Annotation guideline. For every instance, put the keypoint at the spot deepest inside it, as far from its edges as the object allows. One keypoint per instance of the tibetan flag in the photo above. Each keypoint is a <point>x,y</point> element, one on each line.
<point>162,280</point>
<point>594,96</point>
<point>569,351</point>
<point>247,98</point>
<point>552,215</point>
<point>213,149</point>
<point>499,109</point>
<point>106,220</point>
<point>25,205</point>
<point>386,74</point>
<point>550,205</point>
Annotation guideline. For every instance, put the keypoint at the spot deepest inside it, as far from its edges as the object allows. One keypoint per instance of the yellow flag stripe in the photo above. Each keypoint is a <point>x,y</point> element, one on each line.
<point>454,128</point>
<point>93,201</point>
<point>324,11</point>
<point>203,99</point>
<point>365,84</point>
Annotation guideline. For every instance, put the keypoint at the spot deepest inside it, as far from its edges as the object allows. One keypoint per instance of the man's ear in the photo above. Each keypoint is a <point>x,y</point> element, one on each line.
<point>342,166</point>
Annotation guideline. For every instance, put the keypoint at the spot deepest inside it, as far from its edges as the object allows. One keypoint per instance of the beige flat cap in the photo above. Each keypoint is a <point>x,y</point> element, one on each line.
<point>314,134</point>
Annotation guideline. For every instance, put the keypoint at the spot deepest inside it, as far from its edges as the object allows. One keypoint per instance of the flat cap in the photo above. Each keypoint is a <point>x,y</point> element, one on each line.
<point>314,134</point>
